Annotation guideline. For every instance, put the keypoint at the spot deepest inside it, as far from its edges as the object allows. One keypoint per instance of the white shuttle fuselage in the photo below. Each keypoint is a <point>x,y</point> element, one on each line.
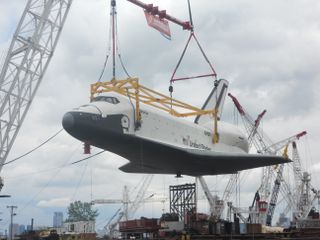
<point>161,143</point>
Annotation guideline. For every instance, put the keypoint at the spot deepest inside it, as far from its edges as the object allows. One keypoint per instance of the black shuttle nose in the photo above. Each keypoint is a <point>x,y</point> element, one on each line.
<point>68,121</point>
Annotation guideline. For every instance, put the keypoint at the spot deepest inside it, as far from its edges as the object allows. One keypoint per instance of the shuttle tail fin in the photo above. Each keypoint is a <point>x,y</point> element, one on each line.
<point>215,100</point>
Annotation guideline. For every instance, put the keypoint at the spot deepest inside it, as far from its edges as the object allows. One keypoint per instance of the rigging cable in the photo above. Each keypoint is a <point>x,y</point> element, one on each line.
<point>109,48</point>
<point>55,168</point>
<point>52,178</point>
<point>45,186</point>
<point>34,149</point>
<point>108,53</point>
<point>118,48</point>
<point>86,158</point>
<point>79,182</point>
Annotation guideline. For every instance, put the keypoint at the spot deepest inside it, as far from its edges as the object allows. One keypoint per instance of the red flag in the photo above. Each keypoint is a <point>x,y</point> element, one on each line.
<point>159,24</point>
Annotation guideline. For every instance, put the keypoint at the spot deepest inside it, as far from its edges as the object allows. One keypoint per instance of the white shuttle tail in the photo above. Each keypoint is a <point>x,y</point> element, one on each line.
<point>215,100</point>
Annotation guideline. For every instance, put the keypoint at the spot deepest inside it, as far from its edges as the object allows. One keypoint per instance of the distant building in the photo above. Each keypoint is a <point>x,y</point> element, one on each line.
<point>80,227</point>
<point>17,229</point>
<point>57,219</point>
<point>14,229</point>
<point>21,229</point>
<point>29,227</point>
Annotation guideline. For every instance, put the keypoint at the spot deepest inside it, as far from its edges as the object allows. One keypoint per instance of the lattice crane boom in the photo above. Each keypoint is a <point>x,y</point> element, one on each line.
<point>264,145</point>
<point>129,207</point>
<point>275,191</point>
<point>140,195</point>
<point>296,168</point>
<point>303,189</point>
<point>29,54</point>
<point>259,139</point>
<point>237,211</point>
<point>227,192</point>
<point>252,129</point>
<point>208,195</point>
<point>279,145</point>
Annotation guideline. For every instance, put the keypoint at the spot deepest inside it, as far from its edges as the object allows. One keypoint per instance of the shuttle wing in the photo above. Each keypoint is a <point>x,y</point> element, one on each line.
<point>162,158</point>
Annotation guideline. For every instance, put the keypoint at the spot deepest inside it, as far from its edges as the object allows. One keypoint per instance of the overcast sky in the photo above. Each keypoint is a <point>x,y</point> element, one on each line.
<point>268,50</point>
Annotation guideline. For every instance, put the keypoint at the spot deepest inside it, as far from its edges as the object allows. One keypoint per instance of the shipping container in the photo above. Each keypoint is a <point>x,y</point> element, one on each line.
<point>254,228</point>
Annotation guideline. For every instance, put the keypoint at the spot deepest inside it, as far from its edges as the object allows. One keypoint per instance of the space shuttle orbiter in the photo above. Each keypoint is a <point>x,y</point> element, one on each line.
<point>164,144</point>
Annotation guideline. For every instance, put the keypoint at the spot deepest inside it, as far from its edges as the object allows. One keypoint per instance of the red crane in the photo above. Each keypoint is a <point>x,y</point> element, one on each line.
<point>186,25</point>
<point>162,14</point>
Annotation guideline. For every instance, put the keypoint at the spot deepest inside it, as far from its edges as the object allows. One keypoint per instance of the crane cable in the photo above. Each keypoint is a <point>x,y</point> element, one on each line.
<point>55,168</point>
<point>107,54</point>
<point>109,49</point>
<point>79,182</point>
<point>45,142</point>
<point>46,184</point>
<point>34,149</point>
<point>53,177</point>
<point>192,35</point>
<point>118,49</point>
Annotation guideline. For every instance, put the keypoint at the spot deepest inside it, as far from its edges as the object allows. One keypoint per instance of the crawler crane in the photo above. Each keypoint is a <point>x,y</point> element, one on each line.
<point>31,49</point>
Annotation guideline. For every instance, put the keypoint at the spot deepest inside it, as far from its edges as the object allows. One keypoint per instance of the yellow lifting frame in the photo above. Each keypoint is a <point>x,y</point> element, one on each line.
<point>131,88</point>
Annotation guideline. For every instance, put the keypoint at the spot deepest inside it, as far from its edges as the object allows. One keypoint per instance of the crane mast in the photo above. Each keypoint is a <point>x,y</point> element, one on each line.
<point>279,180</point>
<point>29,54</point>
<point>259,140</point>
<point>264,145</point>
<point>128,208</point>
<point>303,187</point>
<point>216,209</point>
<point>275,191</point>
<point>252,130</point>
<point>211,199</point>
<point>298,176</point>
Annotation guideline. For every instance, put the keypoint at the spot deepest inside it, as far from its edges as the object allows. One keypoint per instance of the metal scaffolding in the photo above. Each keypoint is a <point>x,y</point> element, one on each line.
<point>183,199</point>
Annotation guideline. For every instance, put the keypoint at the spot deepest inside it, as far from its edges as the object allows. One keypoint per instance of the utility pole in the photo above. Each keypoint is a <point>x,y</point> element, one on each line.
<point>11,220</point>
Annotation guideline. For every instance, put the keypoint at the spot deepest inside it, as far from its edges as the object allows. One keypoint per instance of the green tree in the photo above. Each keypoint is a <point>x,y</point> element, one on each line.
<point>81,211</point>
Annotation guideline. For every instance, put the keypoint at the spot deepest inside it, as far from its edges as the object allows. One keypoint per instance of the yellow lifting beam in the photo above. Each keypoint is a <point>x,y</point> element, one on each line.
<point>131,88</point>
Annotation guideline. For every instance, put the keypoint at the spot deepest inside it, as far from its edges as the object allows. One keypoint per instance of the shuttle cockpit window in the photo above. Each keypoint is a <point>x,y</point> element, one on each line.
<point>112,100</point>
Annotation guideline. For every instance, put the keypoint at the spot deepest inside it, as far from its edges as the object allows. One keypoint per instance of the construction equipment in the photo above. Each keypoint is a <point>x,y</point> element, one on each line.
<point>158,16</point>
<point>275,191</point>
<point>237,211</point>
<point>264,145</point>
<point>251,130</point>
<point>29,54</point>
<point>303,189</point>
<point>277,183</point>
<point>259,140</point>
<point>214,202</point>
<point>129,207</point>
<point>162,14</point>
<point>254,135</point>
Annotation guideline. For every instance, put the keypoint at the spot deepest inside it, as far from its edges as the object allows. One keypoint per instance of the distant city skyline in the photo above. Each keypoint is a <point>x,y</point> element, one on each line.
<point>17,229</point>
